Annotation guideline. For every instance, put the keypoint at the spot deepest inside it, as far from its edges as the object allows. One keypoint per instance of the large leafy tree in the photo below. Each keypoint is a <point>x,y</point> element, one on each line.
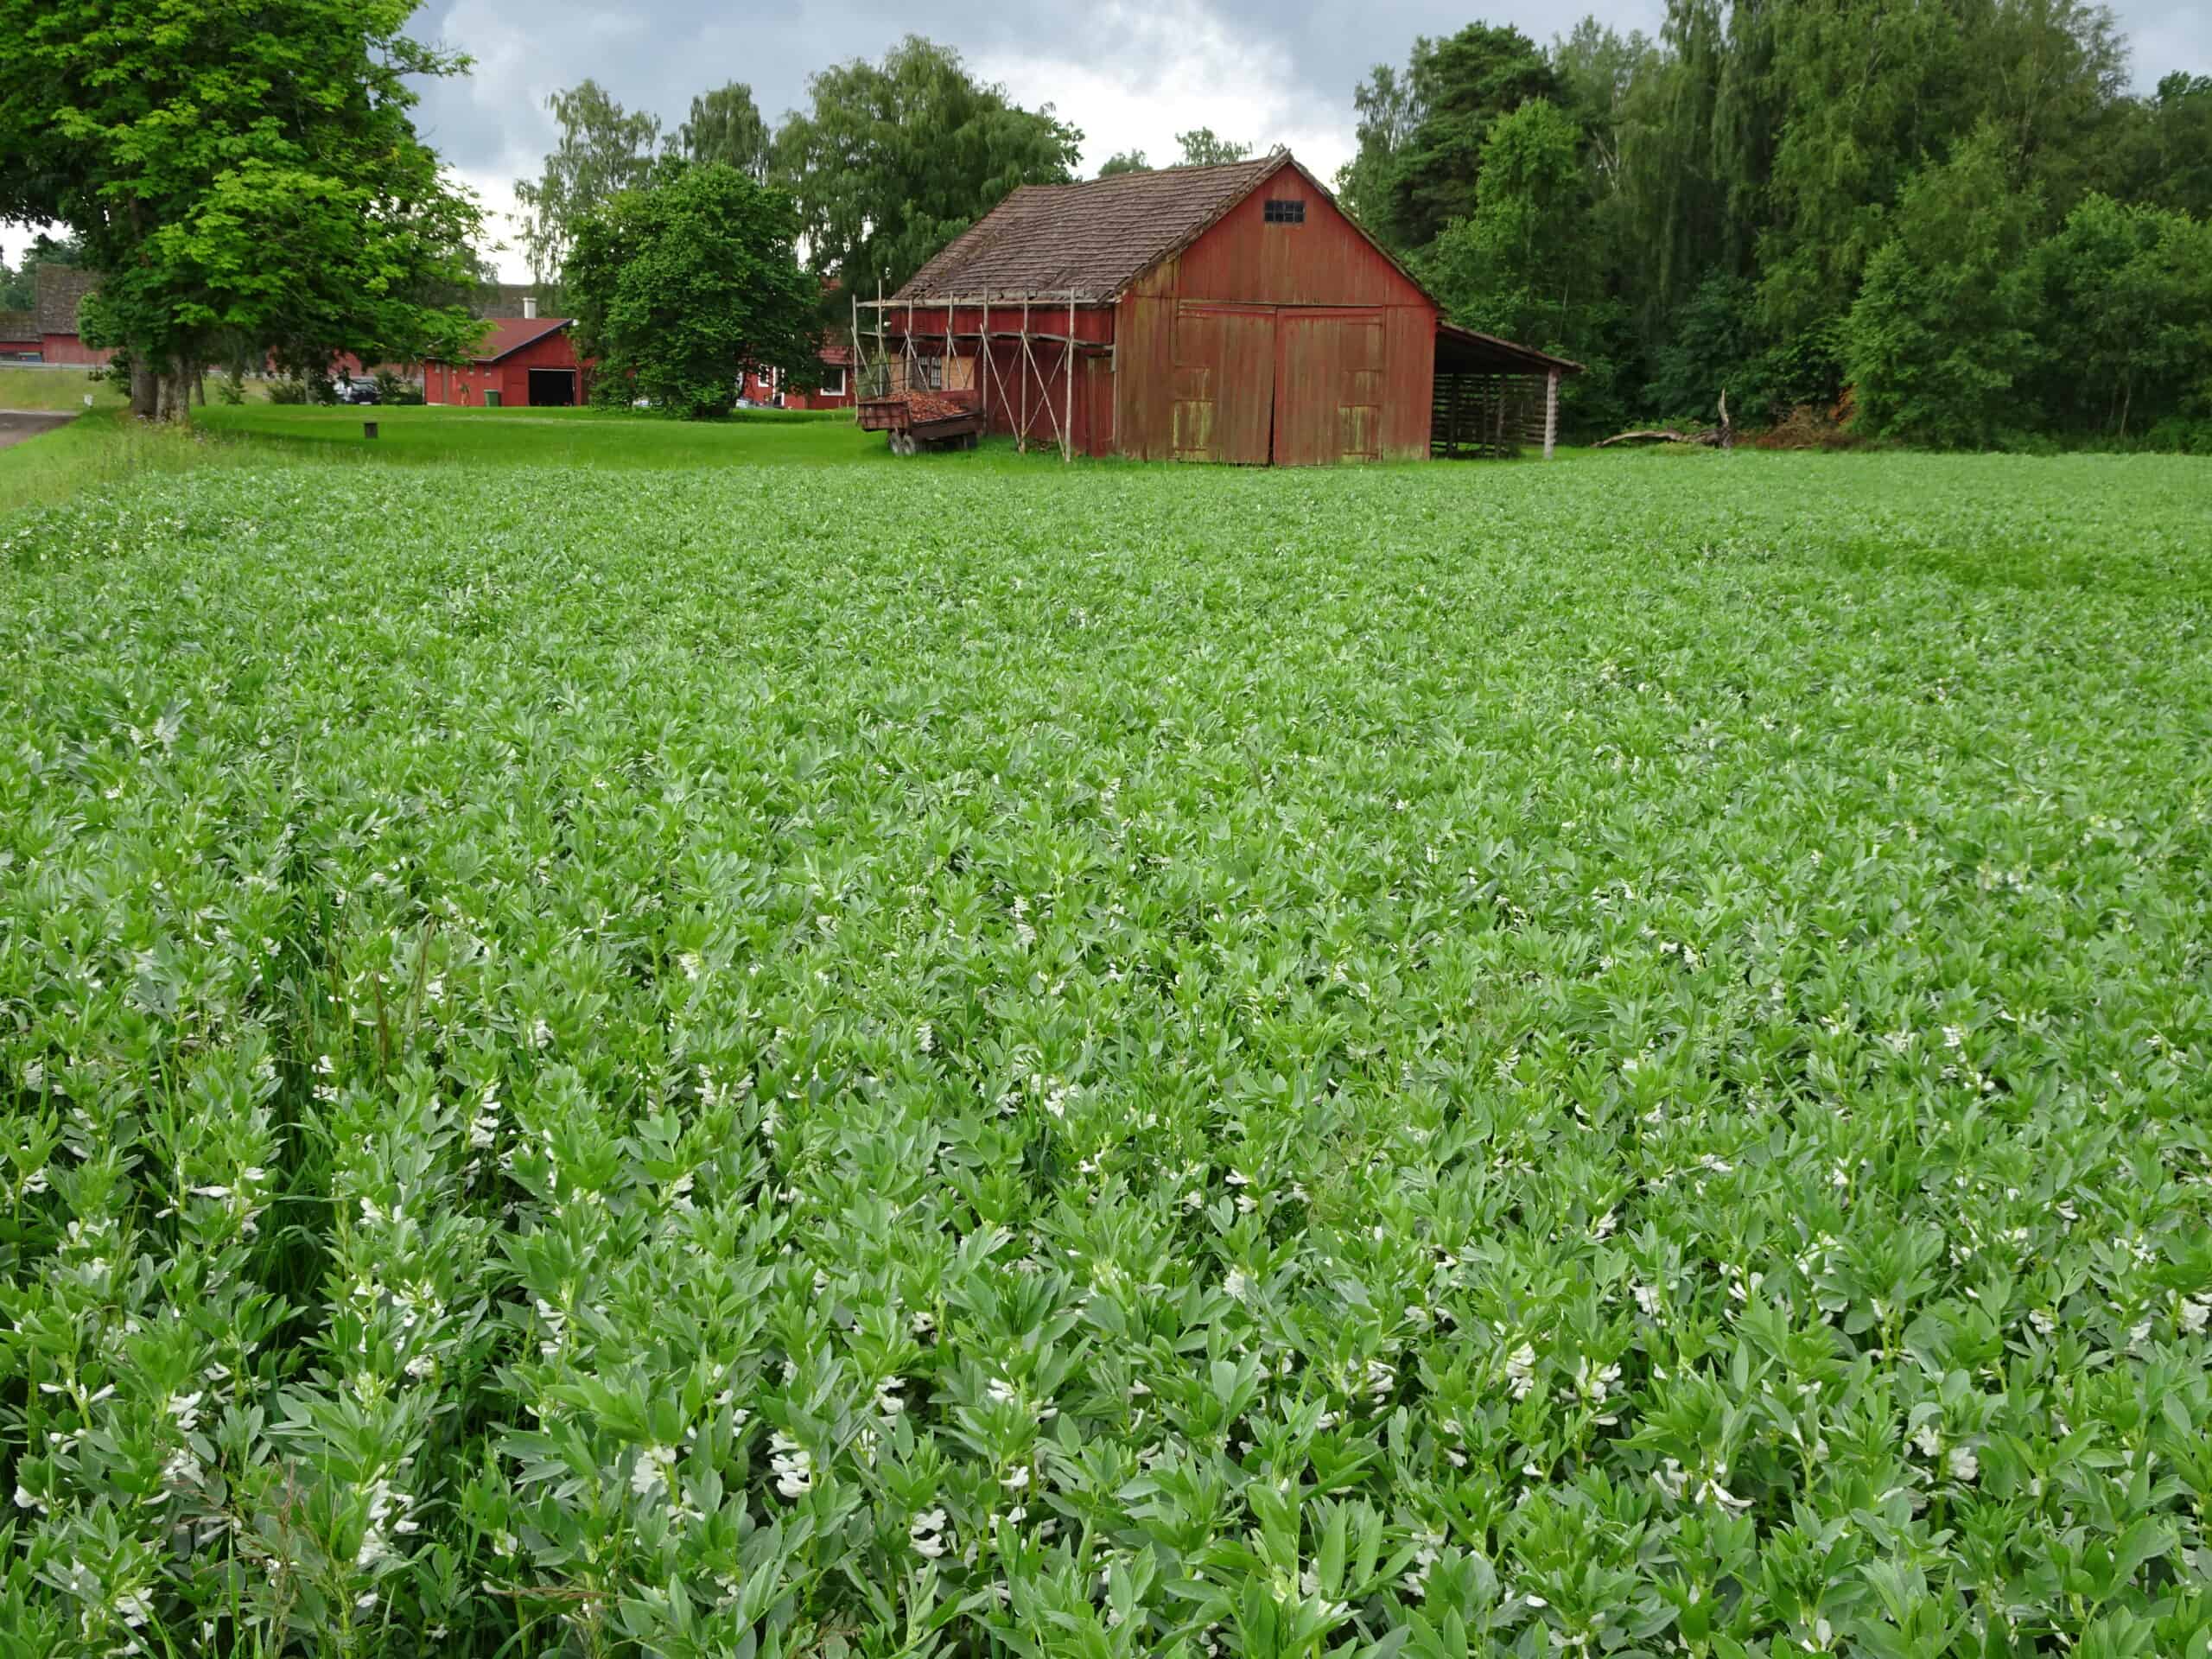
<point>1519,264</point>
<point>236,173</point>
<point>1384,105</point>
<point>1943,333</point>
<point>602,150</point>
<point>679,288</point>
<point>2133,285</point>
<point>1127,160</point>
<point>893,160</point>
<point>726,127</point>
<point>1420,164</point>
<point>1203,147</point>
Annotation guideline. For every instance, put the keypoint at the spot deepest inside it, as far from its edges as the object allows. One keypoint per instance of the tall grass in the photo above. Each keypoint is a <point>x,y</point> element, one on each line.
<point>102,449</point>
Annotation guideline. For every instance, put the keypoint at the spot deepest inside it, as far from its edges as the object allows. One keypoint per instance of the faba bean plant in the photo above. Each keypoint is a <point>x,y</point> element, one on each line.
<point>1607,1058</point>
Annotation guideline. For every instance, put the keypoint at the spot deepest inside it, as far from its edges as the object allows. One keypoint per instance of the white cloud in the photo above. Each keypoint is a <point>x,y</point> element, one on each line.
<point>1170,69</point>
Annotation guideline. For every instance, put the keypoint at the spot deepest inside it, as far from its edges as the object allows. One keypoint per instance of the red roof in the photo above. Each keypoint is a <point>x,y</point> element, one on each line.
<point>511,333</point>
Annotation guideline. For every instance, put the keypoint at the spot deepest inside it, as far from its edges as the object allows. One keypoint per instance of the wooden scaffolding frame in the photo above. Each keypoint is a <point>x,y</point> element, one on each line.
<point>1040,425</point>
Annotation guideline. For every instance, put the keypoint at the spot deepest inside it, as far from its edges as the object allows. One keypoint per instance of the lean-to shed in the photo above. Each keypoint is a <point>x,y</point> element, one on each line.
<point>1231,313</point>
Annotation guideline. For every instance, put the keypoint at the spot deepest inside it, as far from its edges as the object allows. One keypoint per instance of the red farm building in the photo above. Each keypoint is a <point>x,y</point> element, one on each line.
<point>1230,314</point>
<point>61,290</point>
<point>835,390</point>
<point>525,362</point>
<point>19,336</point>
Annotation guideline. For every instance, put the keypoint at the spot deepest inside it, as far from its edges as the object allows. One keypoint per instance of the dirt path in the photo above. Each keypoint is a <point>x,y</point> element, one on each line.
<point>16,425</point>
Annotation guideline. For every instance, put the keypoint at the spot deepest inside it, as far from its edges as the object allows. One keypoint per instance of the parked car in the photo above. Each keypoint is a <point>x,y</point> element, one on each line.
<point>358,391</point>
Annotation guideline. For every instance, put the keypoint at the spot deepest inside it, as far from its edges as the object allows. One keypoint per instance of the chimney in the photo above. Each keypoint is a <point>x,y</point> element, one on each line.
<point>530,305</point>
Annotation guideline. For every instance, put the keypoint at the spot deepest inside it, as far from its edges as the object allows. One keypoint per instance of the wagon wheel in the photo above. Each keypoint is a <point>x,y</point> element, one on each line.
<point>902,444</point>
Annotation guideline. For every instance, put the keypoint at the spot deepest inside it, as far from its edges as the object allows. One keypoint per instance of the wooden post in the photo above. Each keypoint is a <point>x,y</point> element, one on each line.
<point>1551,412</point>
<point>853,363</point>
<point>1021,432</point>
<point>1067,429</point>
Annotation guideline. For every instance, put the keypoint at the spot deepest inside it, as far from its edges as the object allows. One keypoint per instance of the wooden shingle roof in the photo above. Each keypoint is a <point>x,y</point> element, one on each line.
<point>62,289</point>
<point>1093,239</point>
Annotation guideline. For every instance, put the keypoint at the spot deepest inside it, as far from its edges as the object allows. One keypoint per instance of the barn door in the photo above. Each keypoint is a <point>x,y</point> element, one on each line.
<point>1223,383</point>
<point>1328,386</point>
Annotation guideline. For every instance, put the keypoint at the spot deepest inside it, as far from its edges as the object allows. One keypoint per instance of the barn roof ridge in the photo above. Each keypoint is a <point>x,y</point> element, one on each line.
<point>1134,221</point>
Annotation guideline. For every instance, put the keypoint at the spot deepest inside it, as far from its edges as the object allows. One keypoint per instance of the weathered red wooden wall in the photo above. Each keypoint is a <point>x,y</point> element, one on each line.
<point>71,348</point>
<point>1295,344</point>
<point>1014,385</point>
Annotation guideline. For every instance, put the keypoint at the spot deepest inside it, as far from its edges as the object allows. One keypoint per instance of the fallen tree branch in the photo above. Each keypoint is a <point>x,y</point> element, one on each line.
<point>1722,436</point>
<point>1657,435</point>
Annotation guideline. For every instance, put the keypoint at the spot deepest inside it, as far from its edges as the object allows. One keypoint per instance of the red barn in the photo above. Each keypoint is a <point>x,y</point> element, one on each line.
<point>61,290</point>
<point>1231,313</point>
<point>525,362</point>
<point>19,335</point>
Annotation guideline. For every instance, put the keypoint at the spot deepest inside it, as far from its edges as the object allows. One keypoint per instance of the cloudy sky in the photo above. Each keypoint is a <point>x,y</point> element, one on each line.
<point>1129,74</point>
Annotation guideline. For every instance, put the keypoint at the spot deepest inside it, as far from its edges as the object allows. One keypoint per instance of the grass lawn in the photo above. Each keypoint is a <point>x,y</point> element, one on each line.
<point>547,436</point>
<point>57,389</point>
<point>963,1059</point>
<point>107,449</point>
<point>104,449</point>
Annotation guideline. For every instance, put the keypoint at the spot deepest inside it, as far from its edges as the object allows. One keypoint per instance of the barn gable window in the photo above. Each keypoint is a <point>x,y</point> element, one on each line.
<point>1279,211</point>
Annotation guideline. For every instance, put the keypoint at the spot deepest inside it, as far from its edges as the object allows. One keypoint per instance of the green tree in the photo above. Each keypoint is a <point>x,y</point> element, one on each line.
<point>1513,265</point>
<point>1127,161</point>
<point>1203,147</point>
<point>1597,69</point>
<point>1943,333</point>
<point>2162,154</point>
<point>236,173</point>
<point>1458,88</point>
<point>603,149</point>
<point>726,127</point>
<point>680,288</point>
<point>2128,289</point>
<point>893,160</point>
<point>1384,104</point>
<point>1519,264</point>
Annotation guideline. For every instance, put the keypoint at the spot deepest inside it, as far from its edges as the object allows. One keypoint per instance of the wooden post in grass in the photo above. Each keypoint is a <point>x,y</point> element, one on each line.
<point>1551,412</point>
<point>368,429</point>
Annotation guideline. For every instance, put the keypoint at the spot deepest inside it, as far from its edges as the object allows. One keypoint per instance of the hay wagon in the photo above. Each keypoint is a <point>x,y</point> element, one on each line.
<point>925,420</point>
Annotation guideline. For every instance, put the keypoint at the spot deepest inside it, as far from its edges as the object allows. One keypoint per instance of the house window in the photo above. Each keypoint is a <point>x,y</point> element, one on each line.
<point>928,375</point>
<point>834,388</point>
<point>1280,212</point>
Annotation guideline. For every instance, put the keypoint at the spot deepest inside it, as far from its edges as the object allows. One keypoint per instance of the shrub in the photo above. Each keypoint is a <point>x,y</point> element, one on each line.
<point>289,390</point>
<point>397,388</point>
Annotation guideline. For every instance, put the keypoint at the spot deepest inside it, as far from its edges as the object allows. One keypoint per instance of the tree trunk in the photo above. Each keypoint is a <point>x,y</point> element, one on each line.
<point>145,389</point>
<point>176,396</point>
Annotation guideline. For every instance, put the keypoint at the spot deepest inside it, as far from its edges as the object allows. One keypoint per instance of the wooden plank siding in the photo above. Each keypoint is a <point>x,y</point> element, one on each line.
<point>1229,314</point>
<point>1295,344</point>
